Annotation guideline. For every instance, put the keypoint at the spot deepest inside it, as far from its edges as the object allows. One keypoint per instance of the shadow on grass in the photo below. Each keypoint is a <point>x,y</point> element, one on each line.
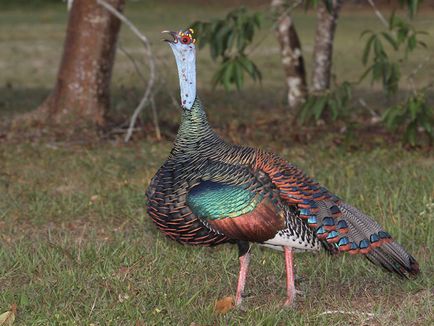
<point>256,116</point>
<point>20,100</point>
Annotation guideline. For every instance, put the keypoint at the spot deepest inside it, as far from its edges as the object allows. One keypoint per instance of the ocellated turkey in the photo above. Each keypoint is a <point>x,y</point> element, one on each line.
<point>209,192</point>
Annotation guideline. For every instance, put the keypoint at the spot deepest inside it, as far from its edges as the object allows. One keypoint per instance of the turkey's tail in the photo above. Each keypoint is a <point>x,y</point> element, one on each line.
<point>367,237</point>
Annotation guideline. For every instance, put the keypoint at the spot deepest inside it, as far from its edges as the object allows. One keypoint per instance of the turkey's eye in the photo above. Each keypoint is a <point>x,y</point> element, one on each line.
<point>185,40</point>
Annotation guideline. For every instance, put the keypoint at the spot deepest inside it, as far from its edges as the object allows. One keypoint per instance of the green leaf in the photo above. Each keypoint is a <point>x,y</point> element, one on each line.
<point>377,70</point>
<point>238,75</point>
<point>249,66</point>
<point>412,115</point>
<point>217,78</point>
<point>257,19</point>
<point>230,40</point>
<point>378,48</point>
<point>367,50</point>
<point>412,7</point>
<point>228,75</point>
<point>411,43</point>
<point>427,126</point>
<point>411,134</point>
<point>334,108</point>
<point>413,108</point>
<point>390,39</point>
<point>348,89</point>
<point>319,106</point>
<point>365,32</point>
<point>402,35</point>
<point>305,111</point>
<point>227,39</point>
<point>422,44</point>
<point>366,73</point>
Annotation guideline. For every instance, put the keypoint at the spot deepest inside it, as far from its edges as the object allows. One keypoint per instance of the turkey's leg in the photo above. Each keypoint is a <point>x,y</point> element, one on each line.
<point>290,287</point>
<point>244,254</point>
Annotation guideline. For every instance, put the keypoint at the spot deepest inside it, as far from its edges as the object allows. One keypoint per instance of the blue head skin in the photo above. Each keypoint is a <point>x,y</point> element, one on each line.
<point>184,50</point>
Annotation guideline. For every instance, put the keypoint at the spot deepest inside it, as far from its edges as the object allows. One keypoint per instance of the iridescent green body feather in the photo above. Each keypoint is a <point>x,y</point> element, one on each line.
<point>212,200</point>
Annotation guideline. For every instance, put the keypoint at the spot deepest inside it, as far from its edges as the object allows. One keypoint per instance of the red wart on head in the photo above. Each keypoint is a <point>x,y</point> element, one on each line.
<point>183,37</point>
<point>187,36</point>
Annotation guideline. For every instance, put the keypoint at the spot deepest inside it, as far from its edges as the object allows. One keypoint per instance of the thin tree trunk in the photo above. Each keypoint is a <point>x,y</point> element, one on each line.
<point>81,96</point>
<point>323,51</point>
<point>292,57</point>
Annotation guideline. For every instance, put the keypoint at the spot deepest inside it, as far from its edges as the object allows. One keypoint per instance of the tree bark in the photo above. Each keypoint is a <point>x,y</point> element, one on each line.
<point>292,57</point>
<point>323,50</point>
<point>81,96</point>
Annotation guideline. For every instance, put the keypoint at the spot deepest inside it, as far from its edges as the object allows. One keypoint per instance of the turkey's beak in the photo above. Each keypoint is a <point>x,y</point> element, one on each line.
<point>172,34</point>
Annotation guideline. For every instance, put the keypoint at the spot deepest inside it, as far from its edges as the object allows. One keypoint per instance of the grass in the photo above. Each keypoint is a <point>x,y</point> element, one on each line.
<point>76,246</point>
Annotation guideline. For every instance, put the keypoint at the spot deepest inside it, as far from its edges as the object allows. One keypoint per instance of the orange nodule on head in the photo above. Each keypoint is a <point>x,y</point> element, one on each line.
<point>186,37</point>
<point>183,37</point>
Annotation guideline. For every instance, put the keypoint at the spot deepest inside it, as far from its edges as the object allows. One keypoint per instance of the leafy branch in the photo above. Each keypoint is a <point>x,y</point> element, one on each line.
<point>413,115</point>
<point>400,34</point>
<point>333,103</point>
<point>228,39</point>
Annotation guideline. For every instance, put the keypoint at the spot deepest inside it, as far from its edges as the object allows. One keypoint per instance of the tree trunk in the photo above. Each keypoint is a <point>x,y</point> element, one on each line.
<point>81,97</point>
<point>292,57</point>
<point>323,51</point>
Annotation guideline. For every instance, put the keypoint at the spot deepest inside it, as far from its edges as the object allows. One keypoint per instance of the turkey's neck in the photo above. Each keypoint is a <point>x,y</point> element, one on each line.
<point>186,63</point>
<point>194,134</point>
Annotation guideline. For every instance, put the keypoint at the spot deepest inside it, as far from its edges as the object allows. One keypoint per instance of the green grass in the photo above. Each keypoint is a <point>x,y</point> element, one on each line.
<point>76,246</point>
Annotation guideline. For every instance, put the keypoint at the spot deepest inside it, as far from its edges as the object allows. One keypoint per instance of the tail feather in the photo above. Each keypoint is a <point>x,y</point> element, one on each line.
<point>387,253</point>
<point>379,258</point>
<point>387,257</point>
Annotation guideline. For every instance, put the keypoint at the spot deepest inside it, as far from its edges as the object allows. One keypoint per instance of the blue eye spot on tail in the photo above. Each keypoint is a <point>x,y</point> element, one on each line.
<point>335,210</point>
<point>329,223</point>
<point>321,230</point>
<point>321,233</point>
<point>343,241</point>
<point>354,248</point>
<point>332,237</point>
<point>312,221</point>
<point>384,235</point>
<point>344,244</point>
<point>364,244</point>
<point>374,238</point>
<point>342,224</point>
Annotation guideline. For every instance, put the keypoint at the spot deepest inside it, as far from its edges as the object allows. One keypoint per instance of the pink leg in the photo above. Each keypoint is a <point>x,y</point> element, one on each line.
<point>290,287</point>
<point>244,265</point>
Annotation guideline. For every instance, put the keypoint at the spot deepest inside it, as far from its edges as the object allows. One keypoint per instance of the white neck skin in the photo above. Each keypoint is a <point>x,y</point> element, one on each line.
<point>185,56</point>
